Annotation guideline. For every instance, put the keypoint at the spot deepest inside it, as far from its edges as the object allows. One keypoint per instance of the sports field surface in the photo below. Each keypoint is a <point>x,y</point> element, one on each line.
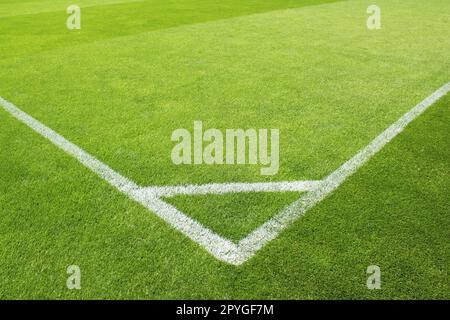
<point>87,179</point>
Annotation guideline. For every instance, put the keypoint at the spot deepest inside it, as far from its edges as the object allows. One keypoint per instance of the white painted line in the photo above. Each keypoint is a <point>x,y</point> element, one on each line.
<point>105,172</point>
<point>216,245</point>
<point>223,188</point>
<point>270,230</point>
<point>223,249</point>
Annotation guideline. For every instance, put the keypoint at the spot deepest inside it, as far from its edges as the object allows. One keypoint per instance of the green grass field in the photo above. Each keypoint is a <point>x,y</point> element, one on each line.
<point>138,70</point>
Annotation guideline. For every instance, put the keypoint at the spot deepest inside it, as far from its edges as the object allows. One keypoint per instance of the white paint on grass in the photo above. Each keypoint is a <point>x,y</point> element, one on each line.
<point>108,174</point>
<point>223,188</point>
<point>216,245</point>
<point>222,248</point>
<point>248,246</point>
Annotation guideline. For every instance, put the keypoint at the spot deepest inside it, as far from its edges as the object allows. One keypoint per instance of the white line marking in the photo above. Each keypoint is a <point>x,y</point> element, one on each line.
<point>270,230</point>
<point>105,172</point>
<point>223,188</point>
<point>216,245</point>
<point>223,249</point>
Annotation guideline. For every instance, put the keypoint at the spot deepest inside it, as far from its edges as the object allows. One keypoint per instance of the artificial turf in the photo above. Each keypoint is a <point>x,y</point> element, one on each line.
<point>136,71</point>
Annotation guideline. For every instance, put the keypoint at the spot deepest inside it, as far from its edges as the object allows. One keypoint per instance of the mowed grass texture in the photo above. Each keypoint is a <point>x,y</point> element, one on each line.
<point>139,70</point>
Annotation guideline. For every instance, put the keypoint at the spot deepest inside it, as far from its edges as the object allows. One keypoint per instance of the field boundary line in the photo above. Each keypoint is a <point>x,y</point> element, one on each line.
<point>216,245</point>
<point>224,188</point>
<point>272,228</point>
<point>220,247</point>
<point>89,161</point>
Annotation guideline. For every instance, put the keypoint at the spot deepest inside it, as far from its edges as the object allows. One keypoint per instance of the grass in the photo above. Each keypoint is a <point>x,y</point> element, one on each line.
<point>139,70</point>
<point>32,26</point>
<point>235,215</point>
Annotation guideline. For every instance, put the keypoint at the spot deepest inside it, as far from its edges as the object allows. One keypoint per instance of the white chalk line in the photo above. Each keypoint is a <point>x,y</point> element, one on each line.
<point>212,242</point>
<point>221,248</point>
<point>101,169</point>
<point>257,239</point>
<point>224,188</point>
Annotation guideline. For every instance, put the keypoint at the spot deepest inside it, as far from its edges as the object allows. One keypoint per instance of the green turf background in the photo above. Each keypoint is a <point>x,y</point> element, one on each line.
<point>138,70</point>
